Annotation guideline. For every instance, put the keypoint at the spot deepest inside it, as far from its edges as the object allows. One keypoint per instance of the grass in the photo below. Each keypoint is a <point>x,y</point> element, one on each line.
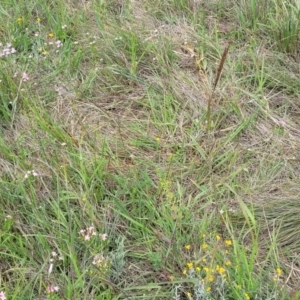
<point>141,157</point>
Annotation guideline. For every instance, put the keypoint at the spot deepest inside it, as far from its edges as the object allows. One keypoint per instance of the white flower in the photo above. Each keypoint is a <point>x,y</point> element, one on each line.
<point>50,269</point>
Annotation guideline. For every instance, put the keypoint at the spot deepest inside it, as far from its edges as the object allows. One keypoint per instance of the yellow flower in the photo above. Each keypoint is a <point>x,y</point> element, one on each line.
<point>170,195</point>
<point>204,260</point>
<point>247,297</point>
<point>171,277</point>
<point>208,289</point>
<point>221,270</point>
<point>51,35</point>
<point>278,271</point>
<point>38,20</point>
<point>187,247</point>
<point>184,271</point>
<point>204,235</point>
<point>228,242</point>
<point>189,294</point>
<point>227,263</point>
<point>204,245</point>
<point>198,269</point>
<point>190,265</point>
<point>211,278</point>
<point>19,20</point>
<point>206,269</point>
<point>218,237</point>
<point>158,139</point>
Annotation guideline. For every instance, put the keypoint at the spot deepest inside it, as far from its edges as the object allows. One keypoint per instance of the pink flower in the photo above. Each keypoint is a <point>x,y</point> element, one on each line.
<point>89,232</point>
<point>25,76</point>
<point>52,289</point>
<point>87,237</point>
<point>2,296</point>
<point>282,123</point>
<point>7,51</point>
<point>91,229</point>
<point>58,43</point>
<point>103,236</point>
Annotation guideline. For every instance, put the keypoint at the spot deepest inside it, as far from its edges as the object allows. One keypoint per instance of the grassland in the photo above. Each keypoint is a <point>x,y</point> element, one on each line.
<point>139,160</point>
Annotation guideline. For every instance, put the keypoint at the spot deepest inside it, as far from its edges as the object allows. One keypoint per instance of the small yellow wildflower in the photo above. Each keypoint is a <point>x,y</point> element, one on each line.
<point>278,271</point>
<point>239,286</point>
<point>19,20</point>
<point>247,297</point>
<point>221,270</point>
<point>208,289</point>
<point>190,265</point>
<point>211,278</point>
<point>51,35</point>
<point>228,263</point>
<point>184,271</point>
<point>228,242</point>
<point>206,269</point>
<point>170,195</point>
<point>198,269</point>
<point>204,235</point>
<point>204,245</point>
<point>218,237</point>
<point>187,247</point>
<point>189,294</point>
<point>38,20</point>
<point>158,139</point>
<point>171,277</point>
<point>204,260</point>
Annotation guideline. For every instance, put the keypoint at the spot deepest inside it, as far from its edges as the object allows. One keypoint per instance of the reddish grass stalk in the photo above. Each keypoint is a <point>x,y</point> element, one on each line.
<point>219,71</point>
